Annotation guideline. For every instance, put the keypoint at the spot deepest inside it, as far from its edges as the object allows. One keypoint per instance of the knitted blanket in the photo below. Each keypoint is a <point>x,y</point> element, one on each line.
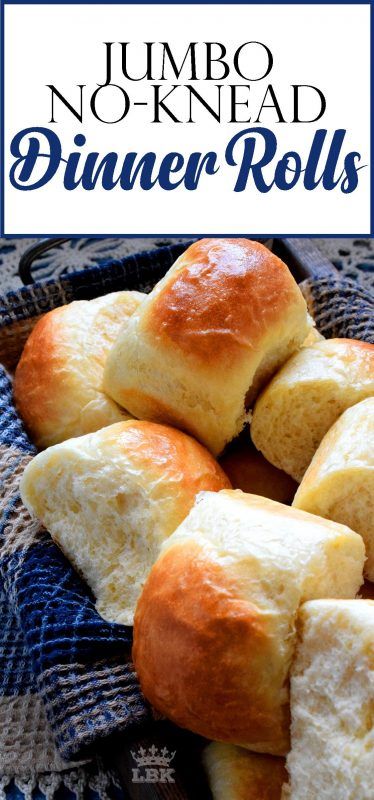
<point>66,678</point>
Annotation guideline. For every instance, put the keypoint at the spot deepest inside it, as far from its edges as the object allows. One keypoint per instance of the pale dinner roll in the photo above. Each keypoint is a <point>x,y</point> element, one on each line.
<point>306,397</point>
<point>58,386</point>
<point>214,629</point>
<point>236,774</point>
<point>339,482</point>
<point>223,319</point>
<point>313,336</point>
<point>249,471</point>
<point>332,703</point>
<point>110,498</point>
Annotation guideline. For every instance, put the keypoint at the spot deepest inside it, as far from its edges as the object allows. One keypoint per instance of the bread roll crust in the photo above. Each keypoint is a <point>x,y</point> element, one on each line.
<point>200,614</point>
<point>236,774</point>
<point>306,397</point>
<point>203,306</point>
<point>110,498</point>
<point>58,381</point>
<point>214,627</point>
<point>209,334</point>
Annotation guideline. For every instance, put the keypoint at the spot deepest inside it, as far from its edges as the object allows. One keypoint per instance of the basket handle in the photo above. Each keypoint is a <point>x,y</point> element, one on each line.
<point>42,246</point>
<point>302,255</point>
<point>304,258</point>
<point>31,254</point>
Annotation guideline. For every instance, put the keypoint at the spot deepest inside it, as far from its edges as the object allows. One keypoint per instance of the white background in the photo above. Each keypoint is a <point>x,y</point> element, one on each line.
<point>323,45</point>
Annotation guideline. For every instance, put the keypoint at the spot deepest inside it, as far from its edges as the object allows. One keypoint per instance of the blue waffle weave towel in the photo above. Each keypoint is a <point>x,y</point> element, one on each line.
<point>61,665</point>
<point>81,663</point>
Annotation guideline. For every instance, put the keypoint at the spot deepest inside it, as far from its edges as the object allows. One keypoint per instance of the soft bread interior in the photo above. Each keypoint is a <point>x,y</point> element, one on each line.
<point>306,397</point>
<point>94,512</point>
<point>332,702</point>
<point>289,427</point>
<point>339,482</point>
<point>271,362</point>
<point>349,501</point>
<point>110,498</point>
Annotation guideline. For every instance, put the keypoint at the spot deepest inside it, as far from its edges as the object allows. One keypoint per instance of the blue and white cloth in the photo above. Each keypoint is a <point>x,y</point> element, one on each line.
<point>62,669</point>
<point>66,678</point>
<point>81,663</point>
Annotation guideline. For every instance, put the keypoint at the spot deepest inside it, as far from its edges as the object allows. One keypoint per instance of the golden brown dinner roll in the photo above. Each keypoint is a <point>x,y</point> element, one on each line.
<point>225,316</point>
<point>58,383</point>
<point>332,702</point>
<point>110,498</point>
<point>249,471</point>
<point>339,482</point>
<point>306,397</point>
<point>236,774</point>
<point>214,629</point>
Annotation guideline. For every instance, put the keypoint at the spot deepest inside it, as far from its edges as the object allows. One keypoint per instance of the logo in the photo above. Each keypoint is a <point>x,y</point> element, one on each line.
<point>153,765</point>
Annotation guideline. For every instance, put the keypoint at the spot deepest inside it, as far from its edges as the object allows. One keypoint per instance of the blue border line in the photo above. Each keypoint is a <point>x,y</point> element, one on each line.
<point>190,234</point>
<point>371,107</point>
<point>185,2</point>
<point>2,122</point>
<point>177,2</point>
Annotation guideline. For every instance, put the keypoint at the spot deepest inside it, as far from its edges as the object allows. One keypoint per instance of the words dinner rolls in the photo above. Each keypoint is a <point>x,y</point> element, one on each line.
<point>110,498</point>
<point>194,355</point>
<point>214,629</point>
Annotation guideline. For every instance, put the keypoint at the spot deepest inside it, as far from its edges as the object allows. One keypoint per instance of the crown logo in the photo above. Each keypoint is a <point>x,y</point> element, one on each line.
<point>153,757</point>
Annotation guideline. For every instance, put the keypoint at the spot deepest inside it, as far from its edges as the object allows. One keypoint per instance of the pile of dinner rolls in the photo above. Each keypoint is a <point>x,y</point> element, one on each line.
<point>240,575</point>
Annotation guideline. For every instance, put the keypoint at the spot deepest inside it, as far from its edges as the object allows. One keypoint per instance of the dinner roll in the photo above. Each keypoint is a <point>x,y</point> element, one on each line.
<point>339,483</point>
<point>214,629</point>
<point>332,702</point>
<point>110,498</point>
<point>306,397</point>
<point>249,471</point>
<point>225,316</point>
<point>58,386</point>
<point>236,774</point>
